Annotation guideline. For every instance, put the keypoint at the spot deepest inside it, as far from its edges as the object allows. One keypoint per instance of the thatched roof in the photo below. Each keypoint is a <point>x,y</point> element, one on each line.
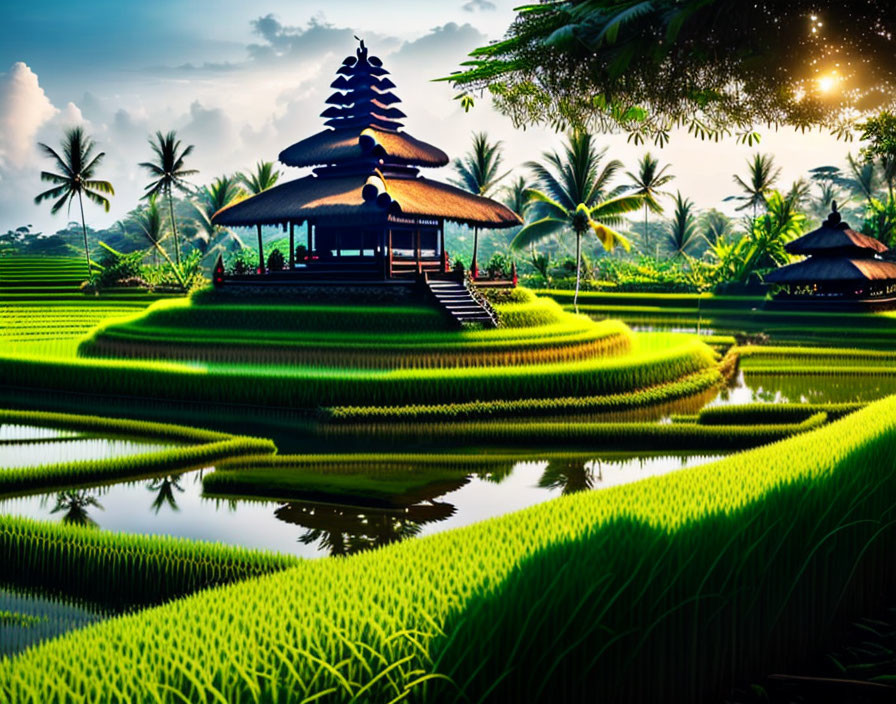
<point>364,122</point>
<point>362,199</point>
<point>835,237</point>
<point>352,145</point>
<point>818,269</point>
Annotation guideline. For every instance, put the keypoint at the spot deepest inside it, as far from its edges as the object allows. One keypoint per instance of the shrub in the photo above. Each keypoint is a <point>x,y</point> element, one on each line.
<point>276,261</point>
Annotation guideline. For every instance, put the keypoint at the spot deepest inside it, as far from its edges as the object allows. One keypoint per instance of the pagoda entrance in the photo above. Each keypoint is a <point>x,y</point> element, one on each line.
<point>402,247</point>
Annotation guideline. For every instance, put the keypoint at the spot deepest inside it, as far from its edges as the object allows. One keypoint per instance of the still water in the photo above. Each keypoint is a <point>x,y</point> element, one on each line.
<point>175,505</point>
<point>25,446</point>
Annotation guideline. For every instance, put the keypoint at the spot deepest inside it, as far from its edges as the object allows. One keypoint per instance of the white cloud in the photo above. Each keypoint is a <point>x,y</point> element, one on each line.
<point>24,109</point>
<point>481,5</point>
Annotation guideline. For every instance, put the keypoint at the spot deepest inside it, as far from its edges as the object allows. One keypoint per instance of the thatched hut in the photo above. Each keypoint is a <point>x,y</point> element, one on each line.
<point>842,266</point>
<point>367,211</point>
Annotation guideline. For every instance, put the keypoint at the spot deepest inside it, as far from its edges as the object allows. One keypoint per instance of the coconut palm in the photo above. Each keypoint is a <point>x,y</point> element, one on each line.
<point>759,183</point>
<point>150,222</point>
<point>863,179</point>
<point>213,239</point>
<point>169,173</point>
<point>478,172</point>
<point>714,225</point>
<point>77,177</point>
<point>261,179</point>
<point>516,196</point>
<point>683,234</point>
<point>573,195</point>
<point>647,183</point>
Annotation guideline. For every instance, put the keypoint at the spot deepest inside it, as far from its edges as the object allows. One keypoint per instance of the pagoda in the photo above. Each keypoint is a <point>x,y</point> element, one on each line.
<point>367,211</point>
<point>842,266</point>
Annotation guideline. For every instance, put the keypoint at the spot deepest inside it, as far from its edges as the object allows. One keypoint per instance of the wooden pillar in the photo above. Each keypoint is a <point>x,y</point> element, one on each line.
<point>261,267</point>
<point>292,245</point>
<point>445,264</point>
<point>419,263</point>
<point>390,253</point>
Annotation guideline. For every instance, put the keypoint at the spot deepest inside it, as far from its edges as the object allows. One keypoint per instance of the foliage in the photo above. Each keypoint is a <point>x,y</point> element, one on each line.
<point>649,67</point>
<point>213,239</point>
<point>879,131</point>
<point>276,262</point>
<point>78,165</point>
<point>573,196</point>
<point>648,183</point>
<point>758,185</point>
<point>499,266</point>
<point>117,268</point>
<point>683,237</point>
<point>169,173</point>
<point>768,544</point>
<point>516,196</point>
<point>263,178</point>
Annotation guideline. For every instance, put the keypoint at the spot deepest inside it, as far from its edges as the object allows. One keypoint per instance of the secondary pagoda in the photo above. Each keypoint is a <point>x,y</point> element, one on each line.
<point>367,211</point>
<point>841,266</point>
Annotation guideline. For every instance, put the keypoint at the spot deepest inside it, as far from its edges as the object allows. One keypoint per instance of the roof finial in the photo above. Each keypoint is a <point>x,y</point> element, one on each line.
<point>834,218</point>
<point>362,50</point>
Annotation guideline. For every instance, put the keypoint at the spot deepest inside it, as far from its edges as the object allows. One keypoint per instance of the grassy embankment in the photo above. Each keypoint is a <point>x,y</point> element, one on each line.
<point>673,588</point>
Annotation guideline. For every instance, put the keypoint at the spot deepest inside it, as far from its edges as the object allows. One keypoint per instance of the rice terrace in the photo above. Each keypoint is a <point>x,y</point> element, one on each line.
<point>448,352</point>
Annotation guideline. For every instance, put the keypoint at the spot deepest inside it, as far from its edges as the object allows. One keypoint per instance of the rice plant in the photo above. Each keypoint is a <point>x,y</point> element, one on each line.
<point>668,589</point>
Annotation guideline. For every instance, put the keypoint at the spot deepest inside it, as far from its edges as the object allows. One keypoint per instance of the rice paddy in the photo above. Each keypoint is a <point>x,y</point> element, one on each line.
<point>468,459</point>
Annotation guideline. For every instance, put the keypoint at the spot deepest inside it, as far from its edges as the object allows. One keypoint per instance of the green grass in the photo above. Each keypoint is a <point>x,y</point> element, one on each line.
<point>669,589</point>
<point>624,436</point>
<point>687,386</point>
<point>206,447</point>
<point>120,569</point>
<point>310,387</point>
<point>769,413</point>
<point>347,336</point>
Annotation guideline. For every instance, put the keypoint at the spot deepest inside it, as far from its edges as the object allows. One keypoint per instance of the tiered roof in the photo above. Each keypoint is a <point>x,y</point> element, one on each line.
<point>367,167</point>
<point>835,253</point>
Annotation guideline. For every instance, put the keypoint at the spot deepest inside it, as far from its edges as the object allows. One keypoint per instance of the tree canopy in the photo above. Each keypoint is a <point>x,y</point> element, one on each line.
<point>716,67</point>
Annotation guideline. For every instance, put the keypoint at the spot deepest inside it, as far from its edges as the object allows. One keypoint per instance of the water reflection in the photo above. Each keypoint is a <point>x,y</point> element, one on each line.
<point>313,529</point>
<point>165,488</point>
<point>73,505</point>
<point>344,530</point>
<point>568,475</point>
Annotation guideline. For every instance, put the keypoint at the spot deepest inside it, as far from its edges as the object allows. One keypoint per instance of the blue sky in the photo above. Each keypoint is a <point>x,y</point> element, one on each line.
<point>242,81</point>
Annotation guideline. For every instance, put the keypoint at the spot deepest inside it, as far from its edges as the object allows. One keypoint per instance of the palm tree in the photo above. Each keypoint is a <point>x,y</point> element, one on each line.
<point>714,225</point>
<point>477,172</point>
<point>77,178</point>
<point>516,196</point>
<point>261,180</point>
<point>573,196</point>
<point>223,191</point>
<point>648,183</point>
<point>683,234</point>
<point>150,222</point>
<point>863,179</point>
<point>763,174</point>
<point>169,173</point>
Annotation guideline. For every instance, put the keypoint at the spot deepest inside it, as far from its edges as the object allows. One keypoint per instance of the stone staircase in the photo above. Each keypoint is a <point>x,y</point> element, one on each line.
<point>459,302</point>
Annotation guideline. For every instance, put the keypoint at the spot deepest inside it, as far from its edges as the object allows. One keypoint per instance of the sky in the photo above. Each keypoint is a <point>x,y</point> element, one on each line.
<point>242,81</point>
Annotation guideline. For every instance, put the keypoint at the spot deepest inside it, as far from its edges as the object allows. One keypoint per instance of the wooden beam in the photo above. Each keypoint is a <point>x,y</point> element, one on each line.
<point>419,263</point>
<point>390,252</point>
<point>261,267</point>
<point>445,264</point>
<point>292,245</point>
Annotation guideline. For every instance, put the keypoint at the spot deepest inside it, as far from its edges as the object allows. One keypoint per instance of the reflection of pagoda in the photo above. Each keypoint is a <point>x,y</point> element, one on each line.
<point>842,266</point>
<point>368,212</point>
<point>344,530</point>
